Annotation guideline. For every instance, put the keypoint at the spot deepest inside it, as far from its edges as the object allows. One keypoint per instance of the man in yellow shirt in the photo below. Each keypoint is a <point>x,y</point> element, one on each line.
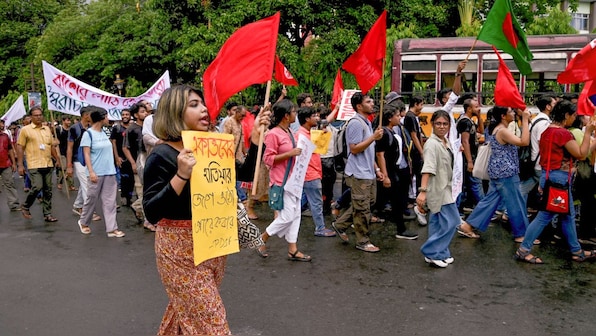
<point>35,141</point>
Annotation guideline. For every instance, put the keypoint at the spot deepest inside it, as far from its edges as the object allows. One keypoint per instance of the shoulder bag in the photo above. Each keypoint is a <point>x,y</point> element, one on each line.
<point>276,193</point>
<point>555,196</point>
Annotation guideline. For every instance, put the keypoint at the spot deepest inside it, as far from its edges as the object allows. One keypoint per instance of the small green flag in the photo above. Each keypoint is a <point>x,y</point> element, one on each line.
<point>502,30</point>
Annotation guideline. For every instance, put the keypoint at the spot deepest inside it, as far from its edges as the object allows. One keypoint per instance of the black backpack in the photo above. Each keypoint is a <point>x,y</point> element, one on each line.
<point>526,164</point>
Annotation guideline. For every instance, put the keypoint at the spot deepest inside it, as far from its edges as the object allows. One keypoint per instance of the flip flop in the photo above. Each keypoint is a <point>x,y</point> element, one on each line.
<point>50,219</point>
<point>467,234</point>
<point>84,230</point>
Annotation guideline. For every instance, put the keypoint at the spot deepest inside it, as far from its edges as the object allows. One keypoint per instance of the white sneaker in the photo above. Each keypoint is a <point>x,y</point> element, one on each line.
<point>437,263</point>
<point>420,216</point>
<point>449,260</point>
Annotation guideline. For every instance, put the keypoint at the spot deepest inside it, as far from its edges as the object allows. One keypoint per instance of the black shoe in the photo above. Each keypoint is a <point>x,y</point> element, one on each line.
<point>406,235</point>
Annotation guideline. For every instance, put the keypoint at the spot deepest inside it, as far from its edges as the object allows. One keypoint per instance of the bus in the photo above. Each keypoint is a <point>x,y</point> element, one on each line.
<point>424,66</point>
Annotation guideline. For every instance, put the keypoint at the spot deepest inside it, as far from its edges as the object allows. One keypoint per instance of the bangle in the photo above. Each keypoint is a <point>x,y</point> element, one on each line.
<point>457,74</point>
<point>182,178</point>
<point>421,189</point>
<point>378,170</point>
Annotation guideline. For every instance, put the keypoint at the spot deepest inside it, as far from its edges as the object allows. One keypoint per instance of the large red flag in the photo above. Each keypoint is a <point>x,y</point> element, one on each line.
<point>582,67</point>
<point>240,64</point>
<point>506,92</point>
<point>338,89</point>
<point>366,63</point>
<point>587,99</point>
<point>283,75</point>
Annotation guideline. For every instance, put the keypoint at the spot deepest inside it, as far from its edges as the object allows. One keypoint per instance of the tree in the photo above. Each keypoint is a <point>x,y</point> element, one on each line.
<point>554,22</point>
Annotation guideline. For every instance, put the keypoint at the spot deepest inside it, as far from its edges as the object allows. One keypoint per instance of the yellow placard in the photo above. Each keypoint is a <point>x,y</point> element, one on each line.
<point>321,140</point>
<point>213,190</point>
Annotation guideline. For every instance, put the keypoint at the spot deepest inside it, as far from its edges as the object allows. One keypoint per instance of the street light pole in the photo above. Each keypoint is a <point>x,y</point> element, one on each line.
<point>119,84</point>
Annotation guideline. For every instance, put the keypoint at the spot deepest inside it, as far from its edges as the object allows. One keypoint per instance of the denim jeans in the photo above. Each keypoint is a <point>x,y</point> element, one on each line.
<point>504,190</point>
<point>441,229</point>
<point>473,189</point>
<point>544,217</point>
<point>313,190</point>
<point>526,186</point>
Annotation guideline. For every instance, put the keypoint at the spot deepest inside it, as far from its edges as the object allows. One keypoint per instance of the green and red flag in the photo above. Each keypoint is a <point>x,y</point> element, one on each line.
<point>502,30</point>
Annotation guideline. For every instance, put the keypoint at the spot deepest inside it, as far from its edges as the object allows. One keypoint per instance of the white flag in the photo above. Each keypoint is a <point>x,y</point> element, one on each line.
<point>16,112</point>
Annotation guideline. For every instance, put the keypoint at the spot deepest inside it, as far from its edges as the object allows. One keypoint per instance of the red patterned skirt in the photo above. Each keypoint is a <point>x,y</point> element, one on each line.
<point>195,307</point>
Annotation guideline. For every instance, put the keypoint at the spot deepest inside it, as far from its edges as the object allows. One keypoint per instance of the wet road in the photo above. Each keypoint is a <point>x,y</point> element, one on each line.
<point>56,281</point>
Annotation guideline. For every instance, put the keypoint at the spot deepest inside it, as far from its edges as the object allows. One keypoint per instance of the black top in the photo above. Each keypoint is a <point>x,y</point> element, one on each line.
<point>159,198</point>
<point>133,140</point>
<point>466,125</point>
<point>63,138</point>
<point>388,145</point>
<point>118,133</point>
<point>411,124</point>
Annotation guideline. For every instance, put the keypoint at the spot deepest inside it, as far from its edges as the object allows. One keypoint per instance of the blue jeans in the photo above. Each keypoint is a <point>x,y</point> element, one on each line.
<point>441,229</point>
<point>473,190</point>
<point>313,190</point>
<point>504,190</point>
<point>241,193</point>
<point>544,217</point>
<point>526,186</point>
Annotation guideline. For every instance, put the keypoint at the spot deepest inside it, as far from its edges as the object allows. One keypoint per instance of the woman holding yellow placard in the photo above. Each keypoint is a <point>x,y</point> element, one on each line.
<point>195,306</point>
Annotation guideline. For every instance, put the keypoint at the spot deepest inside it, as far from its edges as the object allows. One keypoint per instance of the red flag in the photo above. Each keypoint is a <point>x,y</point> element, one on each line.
<point>283,75</point>
<point>582,67</point>
<point>240,64</point>
<point>338,89</point>
<point>587,99</point>
<point>506,92</point>
<point>366,63</point>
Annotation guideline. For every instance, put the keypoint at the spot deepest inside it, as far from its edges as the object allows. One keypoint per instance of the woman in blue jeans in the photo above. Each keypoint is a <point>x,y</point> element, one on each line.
<point>558,149</point>
<point>503,170</point>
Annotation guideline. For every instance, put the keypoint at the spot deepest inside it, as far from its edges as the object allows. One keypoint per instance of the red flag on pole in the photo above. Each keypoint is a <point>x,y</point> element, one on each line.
<point>283,75</point>
<point>338,89</point>
<point>506,92</point>
<point>582,67</point>
<point>366,63</point>
<point>240,64</point>
<point>587,99</point>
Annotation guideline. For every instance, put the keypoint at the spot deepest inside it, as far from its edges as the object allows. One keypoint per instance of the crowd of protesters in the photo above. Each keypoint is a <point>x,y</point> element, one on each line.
<point>392,171</point>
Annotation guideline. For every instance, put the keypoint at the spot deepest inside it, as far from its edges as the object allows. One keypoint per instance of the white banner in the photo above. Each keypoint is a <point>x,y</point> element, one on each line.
<point>67,94</point>
<point>346,111</point>
<point>15,112</point>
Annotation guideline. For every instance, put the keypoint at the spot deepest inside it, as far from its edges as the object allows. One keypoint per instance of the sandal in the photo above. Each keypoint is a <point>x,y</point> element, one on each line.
<point>375,219</point>
<point>84,228</point>
<point>149,227</point>
<point>26,213</point>
<point>581,255</point>
<point>262,251</point>
<point>467,234</point>
<point>50,219</point>
<point>59,187</point>
<point>294,256</point>
<point>520,240</point>
<point>525,256</point>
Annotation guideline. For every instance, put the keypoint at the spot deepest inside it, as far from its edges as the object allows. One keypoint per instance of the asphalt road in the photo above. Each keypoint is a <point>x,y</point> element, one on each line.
<point>56,281</point>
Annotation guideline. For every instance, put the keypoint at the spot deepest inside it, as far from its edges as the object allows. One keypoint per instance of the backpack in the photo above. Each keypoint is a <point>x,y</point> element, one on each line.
<point>341,148</point>
<point>526,164</point>
<point>80,154</point>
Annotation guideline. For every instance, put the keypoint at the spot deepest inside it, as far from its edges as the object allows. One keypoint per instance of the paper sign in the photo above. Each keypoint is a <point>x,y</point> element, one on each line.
<point>295,182</point>
<point>213,190</point>
<point>346,111</point>
<point>321,140</point>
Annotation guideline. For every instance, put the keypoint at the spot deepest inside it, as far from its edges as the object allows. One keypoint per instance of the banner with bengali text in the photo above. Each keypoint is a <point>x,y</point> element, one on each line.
<point>346,111</point>
<point>67,94</point>
<point>213,190</point>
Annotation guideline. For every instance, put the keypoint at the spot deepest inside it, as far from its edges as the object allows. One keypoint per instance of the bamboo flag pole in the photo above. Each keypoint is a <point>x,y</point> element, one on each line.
<point>472,48</point>
<point>382,93</point>
<point>255,179</point>
<point>59,156</point>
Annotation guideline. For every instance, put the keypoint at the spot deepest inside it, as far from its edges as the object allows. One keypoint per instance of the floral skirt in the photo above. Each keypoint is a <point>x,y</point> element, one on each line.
<point>195,307</point>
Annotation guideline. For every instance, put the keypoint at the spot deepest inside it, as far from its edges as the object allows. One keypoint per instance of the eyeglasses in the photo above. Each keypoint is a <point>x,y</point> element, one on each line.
<point>441,124</point>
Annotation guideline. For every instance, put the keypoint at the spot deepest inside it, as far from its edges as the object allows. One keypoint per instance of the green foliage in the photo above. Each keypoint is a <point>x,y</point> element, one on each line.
<point>554,22</point>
